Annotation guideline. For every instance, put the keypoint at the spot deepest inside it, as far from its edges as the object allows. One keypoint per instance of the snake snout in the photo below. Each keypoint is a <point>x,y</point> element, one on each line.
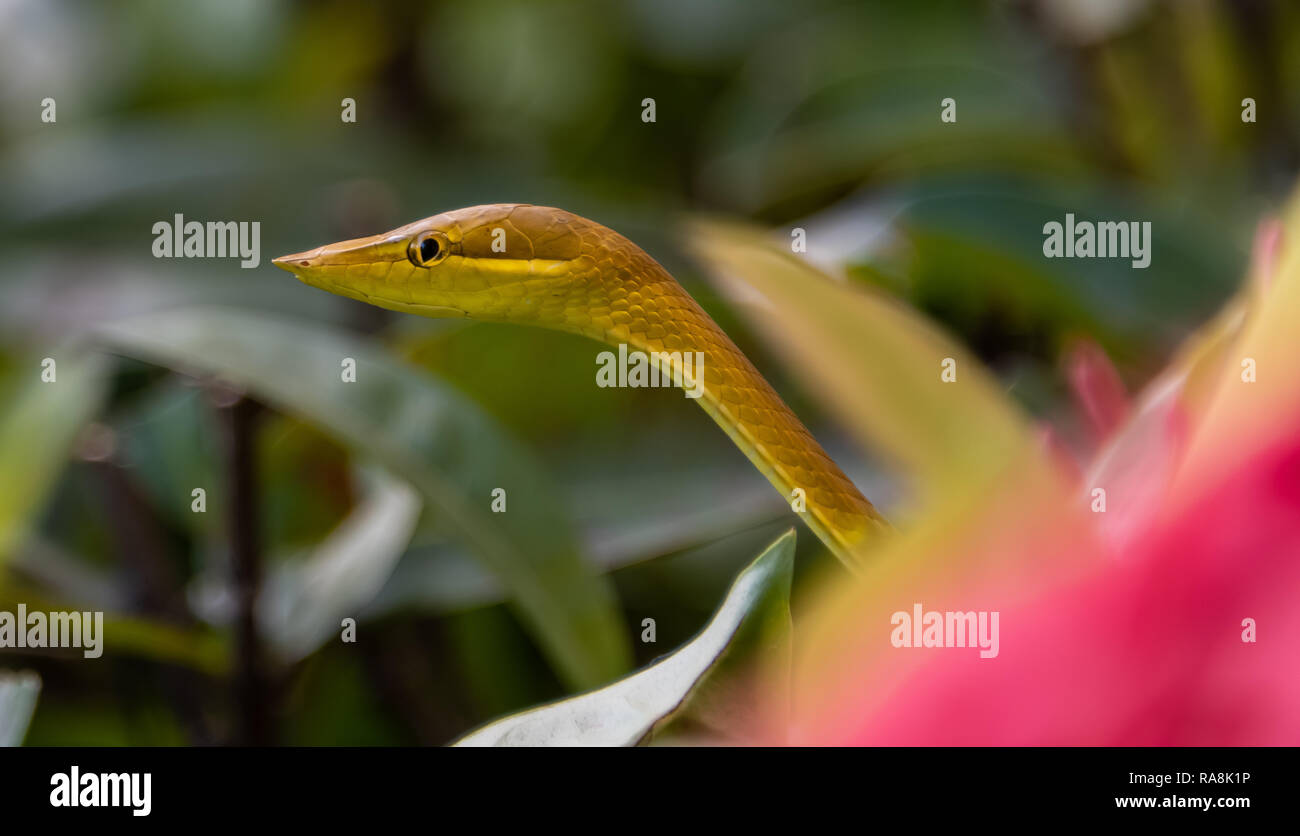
<point>296,261</point>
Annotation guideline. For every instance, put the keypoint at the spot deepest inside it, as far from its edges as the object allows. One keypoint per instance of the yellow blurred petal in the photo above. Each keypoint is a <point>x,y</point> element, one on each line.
<point>873,363</point>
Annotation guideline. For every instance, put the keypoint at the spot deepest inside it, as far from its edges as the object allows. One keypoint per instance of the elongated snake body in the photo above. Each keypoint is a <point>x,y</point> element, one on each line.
<point>541,266</point>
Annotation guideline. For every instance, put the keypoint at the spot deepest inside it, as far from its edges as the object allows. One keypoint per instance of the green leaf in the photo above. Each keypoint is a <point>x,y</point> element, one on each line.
<point>18,692</point>
<point>695,680</point>
<point>434,438</point>
<point>876,119</point>
<point>37,433</point>
<point>978,240</point>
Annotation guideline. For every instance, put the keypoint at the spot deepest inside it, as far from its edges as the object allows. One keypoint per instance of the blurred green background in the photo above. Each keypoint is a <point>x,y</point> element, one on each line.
<point>821,115</point>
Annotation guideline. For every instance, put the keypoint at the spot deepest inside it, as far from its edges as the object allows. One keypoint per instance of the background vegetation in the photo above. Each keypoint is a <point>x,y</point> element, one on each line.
<point>326,502</point>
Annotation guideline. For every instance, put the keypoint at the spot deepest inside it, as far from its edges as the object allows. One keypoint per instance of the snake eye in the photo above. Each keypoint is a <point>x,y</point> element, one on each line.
<point>427,249</point>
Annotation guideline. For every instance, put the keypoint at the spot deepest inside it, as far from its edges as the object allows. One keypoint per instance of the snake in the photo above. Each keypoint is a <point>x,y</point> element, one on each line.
<point>546,267</point>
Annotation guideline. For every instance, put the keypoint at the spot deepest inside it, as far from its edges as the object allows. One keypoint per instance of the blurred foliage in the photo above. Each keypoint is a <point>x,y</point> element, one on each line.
<point>821,115</point>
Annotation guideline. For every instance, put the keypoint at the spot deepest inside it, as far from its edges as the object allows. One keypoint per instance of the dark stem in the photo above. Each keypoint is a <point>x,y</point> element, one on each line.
<point>251,692</point>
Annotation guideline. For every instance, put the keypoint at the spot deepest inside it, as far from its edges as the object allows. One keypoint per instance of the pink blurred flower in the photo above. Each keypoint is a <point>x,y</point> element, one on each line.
<point>1147,650</point>
<point>1169,619</point>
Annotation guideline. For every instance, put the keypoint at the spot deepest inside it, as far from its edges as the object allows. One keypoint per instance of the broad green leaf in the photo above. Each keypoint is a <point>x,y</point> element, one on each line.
<point>792,139</point>
<point>976,242</point>
<point>884,125</point>
<point>37,431</point>
<point>438,441</point>
<point>695,679</point>
<point>875,364</point>
<point>18,693</point>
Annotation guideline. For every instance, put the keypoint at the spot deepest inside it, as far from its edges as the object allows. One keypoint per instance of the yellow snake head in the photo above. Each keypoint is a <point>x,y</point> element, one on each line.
<point>504,262</point>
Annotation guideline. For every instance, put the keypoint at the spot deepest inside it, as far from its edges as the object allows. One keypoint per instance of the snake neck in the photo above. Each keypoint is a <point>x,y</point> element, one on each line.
<point>631,300</point>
